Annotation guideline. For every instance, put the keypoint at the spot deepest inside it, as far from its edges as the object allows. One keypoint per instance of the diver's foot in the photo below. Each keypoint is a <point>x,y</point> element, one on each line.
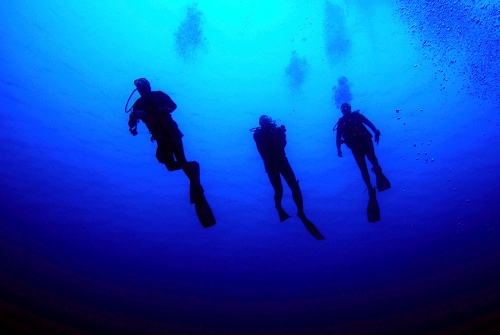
<point>376,169</point>
<point>283,215</point>
<point>301,216</point>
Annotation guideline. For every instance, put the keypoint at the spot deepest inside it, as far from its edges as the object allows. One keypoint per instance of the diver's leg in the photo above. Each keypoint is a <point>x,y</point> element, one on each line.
<point>370,154</point>
<point>381,180</point>
<point>165,153</point>
<point>178,151</point>
<point>275,179</point>
<point>191,169</point>
<point>293,183</point>
<point>172,165</point>
<point>359,156</point>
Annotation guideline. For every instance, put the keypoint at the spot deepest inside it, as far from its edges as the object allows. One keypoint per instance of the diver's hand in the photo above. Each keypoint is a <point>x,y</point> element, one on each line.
<point>377,136</point>
<point>133,131</point>
<point>339,152</point>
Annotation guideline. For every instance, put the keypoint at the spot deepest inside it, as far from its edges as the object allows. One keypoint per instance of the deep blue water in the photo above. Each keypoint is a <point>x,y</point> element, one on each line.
<point>96,237</point>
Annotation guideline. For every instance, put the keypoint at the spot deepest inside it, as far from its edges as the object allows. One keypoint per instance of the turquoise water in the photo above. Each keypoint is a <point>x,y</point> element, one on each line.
<point>97,237</point>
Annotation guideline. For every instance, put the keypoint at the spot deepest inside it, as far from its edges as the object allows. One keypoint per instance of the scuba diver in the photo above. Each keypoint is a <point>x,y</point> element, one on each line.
<point>271,141</point>
<point>154,108</point>
<point>351,131</point>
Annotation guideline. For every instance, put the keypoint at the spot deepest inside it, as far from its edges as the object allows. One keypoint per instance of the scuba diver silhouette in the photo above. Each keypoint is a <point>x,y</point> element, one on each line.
<point>154,108</point>
<point>271,141</point>
<point>351,131</point>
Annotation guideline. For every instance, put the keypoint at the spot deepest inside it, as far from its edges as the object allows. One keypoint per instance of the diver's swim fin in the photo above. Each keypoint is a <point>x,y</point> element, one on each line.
<point>192,171</point>
<point>382,181</point>
<point>311,228</point>
<point>204,212</point>
<point>197,196</point>
<point>196,193</point>
<point>282,214</point>
<point>373,210</point>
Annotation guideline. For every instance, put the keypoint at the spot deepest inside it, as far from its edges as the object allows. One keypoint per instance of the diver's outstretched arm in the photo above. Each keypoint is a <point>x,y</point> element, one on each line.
<point>339,141</point>
<point>372,127</point>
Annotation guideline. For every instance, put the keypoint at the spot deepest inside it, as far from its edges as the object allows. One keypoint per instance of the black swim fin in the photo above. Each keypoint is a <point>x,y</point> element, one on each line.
<point>192,171</point>
<point>196,193</point>
<point>204,213</point>
<point>282,214</point>
<point>311,228</point>
<point>382,181</point>
<point>373,209</point>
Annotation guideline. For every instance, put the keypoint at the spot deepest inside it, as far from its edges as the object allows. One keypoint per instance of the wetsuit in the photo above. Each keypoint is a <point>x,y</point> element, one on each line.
<point>271,142</point>
<point>352,131</point>
<point>154,108</point>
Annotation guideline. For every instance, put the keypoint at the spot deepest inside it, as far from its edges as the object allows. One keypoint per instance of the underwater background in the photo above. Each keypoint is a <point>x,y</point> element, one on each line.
<point>96,237</point>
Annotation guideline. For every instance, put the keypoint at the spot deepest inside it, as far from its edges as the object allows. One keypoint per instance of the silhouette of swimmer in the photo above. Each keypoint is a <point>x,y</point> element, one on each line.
<point>271,141</point>
<point>154,108</point>
<point>351,131</point>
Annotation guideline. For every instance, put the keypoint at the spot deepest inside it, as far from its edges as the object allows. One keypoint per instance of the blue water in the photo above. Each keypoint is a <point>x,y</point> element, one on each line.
<point>97,237</point>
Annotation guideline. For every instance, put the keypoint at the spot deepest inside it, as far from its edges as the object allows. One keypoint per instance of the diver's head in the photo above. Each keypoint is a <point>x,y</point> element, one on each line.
<point>345,108</point>
<point>266,122</point>
<point>142,85</point>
